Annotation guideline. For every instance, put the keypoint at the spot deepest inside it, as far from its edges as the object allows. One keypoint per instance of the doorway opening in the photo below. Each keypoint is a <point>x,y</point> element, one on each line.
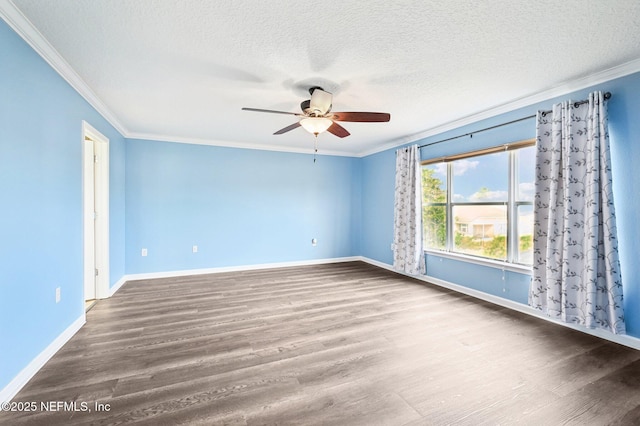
<point>95,188</point>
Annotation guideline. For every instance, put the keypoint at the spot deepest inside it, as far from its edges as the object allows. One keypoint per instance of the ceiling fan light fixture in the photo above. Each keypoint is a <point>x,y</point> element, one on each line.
<point>316,125</point>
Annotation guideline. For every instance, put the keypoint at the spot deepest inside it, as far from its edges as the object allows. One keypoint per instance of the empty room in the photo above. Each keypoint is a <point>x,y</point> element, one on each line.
<point>336,213</point>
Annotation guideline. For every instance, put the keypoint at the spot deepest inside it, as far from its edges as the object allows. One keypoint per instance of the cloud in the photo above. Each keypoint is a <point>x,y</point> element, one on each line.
<point>489,196</point>
<point>527,191</point>
<point>460,167</point>
<point>440,169</point>
<point>458,197</point>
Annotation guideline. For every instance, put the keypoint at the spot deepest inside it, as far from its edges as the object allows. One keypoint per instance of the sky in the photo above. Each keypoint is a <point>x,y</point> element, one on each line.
<point>471,175</point>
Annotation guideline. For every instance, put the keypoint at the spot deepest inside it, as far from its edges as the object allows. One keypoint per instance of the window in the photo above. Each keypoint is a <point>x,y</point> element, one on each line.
<point>481,204</point>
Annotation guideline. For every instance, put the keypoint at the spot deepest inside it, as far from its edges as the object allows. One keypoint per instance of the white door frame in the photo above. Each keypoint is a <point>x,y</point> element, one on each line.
<point>95,190</point>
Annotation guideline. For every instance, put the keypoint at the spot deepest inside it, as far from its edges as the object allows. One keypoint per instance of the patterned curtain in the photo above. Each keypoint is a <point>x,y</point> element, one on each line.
<point>576,271</point>
<point>408,256</point>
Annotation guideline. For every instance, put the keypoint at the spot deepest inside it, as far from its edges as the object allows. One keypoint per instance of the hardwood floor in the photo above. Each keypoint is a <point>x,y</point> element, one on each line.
<point>339,344</point>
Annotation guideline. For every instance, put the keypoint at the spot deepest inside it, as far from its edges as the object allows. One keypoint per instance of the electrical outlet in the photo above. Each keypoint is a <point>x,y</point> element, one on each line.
<point>144,252</point>
<point>194,249</point>
<point>57,294</point>
<point>392,247</point>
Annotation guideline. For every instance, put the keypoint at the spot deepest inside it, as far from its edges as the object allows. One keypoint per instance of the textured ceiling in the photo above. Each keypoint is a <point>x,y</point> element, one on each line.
<point>182,70</point>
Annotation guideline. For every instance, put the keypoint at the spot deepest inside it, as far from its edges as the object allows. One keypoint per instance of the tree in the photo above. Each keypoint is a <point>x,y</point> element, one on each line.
<point>496,247</point>
<point>433,217</point>
<point>482,194</point>
<point>432,191</point>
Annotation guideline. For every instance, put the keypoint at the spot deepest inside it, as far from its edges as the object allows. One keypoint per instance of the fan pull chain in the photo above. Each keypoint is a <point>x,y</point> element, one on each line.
<point>315,147</point>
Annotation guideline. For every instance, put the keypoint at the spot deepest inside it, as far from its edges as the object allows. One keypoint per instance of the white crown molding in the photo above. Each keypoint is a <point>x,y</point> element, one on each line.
<point>16,20</point>
<point>230,144</point>
<point>600,77</point>
<point>14,17</point>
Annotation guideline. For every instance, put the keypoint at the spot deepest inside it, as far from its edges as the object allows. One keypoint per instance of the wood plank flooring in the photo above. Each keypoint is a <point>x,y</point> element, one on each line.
<point>339,344</point>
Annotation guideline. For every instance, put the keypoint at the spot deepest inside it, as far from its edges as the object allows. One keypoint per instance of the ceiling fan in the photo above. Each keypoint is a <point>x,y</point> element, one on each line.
<point>316,116</point>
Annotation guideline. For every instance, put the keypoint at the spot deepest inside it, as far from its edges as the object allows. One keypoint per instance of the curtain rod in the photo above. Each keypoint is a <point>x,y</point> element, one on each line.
<point>607,95</point>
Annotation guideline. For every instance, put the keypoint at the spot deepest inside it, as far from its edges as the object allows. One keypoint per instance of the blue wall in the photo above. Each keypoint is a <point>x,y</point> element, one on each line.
<point>378,183</point>
<point>41,217</point>
<point>239,206</point>
<point>624,127</point>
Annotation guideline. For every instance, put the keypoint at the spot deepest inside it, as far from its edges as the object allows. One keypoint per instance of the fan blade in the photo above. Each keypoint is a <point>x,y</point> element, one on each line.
<point>362,117</point>
<point>338,130</point>
<point>288,128</point>
<point>321,101</point>
<point>271,111</point>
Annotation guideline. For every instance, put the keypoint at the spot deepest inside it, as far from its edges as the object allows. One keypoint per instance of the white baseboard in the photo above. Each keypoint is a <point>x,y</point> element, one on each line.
<point>186,272</point>
<point>117,285</point>
<point>14,386</point>
<point>630,341</point>
<point>9,391</point>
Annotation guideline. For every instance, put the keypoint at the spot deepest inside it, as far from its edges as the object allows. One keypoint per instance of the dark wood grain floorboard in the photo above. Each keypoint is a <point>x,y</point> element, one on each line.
<point>339,344</point>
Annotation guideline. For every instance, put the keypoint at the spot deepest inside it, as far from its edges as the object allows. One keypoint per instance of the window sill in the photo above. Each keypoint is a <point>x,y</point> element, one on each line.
<point>512,267</point>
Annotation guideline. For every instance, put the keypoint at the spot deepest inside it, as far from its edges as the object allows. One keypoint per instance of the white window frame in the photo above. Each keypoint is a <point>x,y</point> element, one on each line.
<point>512,205</point>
